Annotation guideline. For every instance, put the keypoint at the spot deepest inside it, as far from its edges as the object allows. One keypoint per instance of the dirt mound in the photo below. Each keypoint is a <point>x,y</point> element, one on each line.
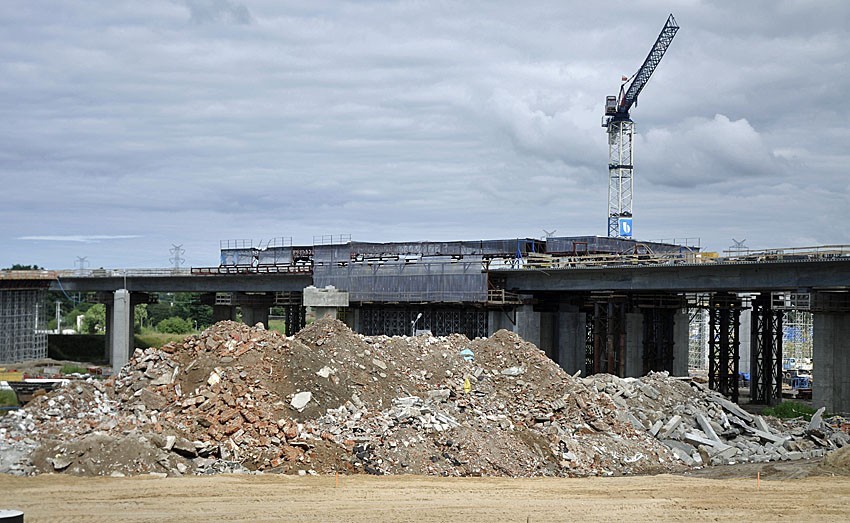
<point>835,463</point>
<point>239,398</point>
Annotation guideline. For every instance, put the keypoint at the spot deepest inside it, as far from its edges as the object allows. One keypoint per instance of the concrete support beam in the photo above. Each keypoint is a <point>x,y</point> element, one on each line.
<point>634,345</point>
<point>831,373</point>
<point>121,332</point>
<point>681,343</point>
<point>528,324</point>
<point>572,333</point>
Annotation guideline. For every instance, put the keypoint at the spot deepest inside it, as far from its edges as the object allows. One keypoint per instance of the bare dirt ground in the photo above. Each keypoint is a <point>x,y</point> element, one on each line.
<point>417,498</point>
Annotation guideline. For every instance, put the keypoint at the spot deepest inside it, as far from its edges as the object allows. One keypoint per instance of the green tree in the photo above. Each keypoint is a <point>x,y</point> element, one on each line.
<point>19,267</point>
<point>174,325</point>
<point>94,321</point>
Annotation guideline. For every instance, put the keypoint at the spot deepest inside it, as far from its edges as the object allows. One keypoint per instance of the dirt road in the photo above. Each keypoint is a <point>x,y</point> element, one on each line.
<point>413,498</point>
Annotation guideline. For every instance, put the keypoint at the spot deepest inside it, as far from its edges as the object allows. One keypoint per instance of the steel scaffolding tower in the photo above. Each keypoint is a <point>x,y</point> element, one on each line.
<point>797,327</point>
<point>698,339</point>
<point>23,335</point>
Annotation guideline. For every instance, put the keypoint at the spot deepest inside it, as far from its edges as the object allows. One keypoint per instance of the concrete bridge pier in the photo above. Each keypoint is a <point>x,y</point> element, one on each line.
<point>831,356</point>
<point>681,342</point>
<point>255,307</point>
<point>571,339</point>
<point>498,319</point>
<point>223,312</point>
<point>528,324</point>
<point>120,318</point>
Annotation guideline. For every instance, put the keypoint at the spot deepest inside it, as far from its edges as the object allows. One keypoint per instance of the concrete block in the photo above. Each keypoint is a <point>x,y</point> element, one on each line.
<point>327,297</point>
<point>817,419</point>
<point>671,425</point>
<point>656,427</point>
<point>706,426</point>
<point>732,408</point>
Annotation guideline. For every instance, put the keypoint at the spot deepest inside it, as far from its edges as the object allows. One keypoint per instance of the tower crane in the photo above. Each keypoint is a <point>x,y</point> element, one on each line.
<point>621,134</point>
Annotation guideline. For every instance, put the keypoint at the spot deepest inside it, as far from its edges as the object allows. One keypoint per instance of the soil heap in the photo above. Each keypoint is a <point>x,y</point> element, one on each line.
<point>237,398</point>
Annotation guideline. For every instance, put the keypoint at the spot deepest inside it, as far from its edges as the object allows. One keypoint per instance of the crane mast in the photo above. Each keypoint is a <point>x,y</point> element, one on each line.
<point>621,130</point>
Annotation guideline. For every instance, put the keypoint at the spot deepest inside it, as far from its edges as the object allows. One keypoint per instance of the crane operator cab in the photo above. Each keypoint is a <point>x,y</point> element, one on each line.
<point>610,105</point>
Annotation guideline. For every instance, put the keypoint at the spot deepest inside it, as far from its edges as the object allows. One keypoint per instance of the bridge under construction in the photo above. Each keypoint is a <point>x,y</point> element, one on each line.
<point>593,304</point>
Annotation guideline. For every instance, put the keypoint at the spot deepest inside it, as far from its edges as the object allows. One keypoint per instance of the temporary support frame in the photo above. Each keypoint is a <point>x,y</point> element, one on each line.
<point>724,319</point>
<point>609,336</point>
<point>658,339</point>
<point>765,352</point>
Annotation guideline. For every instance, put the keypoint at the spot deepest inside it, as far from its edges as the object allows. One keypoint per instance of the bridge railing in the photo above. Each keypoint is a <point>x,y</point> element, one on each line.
<point>121,273</point>
<point>28,275</point>
<point>816,252</point>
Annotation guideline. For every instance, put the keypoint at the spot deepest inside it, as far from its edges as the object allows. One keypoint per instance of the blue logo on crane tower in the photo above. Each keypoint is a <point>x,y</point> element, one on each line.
<point>625,227</point>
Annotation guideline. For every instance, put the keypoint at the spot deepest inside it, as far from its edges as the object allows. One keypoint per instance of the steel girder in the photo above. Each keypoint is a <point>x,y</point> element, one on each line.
<point>723,344</point>
<point>609,337</point>
<point>765,352</point>
<point>658,339</point>
<point>398,321</point>
<point>295,317</point>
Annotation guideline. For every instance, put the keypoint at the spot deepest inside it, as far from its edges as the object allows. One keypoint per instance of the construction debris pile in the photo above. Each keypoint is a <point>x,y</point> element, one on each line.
<point>237,398</point>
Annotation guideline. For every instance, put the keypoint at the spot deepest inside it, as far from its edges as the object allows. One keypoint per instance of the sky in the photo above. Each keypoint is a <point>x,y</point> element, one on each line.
<point>129,127</point>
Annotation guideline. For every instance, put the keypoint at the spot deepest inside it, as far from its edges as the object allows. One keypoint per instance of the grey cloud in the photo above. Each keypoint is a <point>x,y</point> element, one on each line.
<point>206,11</point>
<point>702,151</point>
<point>399,120</point>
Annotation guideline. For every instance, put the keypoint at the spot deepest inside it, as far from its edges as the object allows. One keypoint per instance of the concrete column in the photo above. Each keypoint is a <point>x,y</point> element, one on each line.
<point>110,308</point>
<point>121,332</point>
<point>634,345</point>
<point>547,334</point>
<point>352,319</point>
<point>572,334</point>
<point>744,341</point>
<point>831,373</point>
<point>528,324</point>
<point>499,319</point>
<point>223,312</point>
<point>254,314</point>
<point>681,342</point>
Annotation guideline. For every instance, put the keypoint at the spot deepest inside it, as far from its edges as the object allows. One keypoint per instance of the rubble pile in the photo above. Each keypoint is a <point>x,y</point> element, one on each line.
<point>237,398</point>
<point>700,426</point>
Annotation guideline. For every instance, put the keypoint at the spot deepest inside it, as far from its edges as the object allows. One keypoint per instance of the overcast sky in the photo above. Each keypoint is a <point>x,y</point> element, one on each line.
<point>127,127</point>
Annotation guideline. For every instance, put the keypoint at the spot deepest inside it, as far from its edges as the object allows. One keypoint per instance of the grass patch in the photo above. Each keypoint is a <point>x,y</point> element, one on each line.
<point>790,409</point>
<point>8,398</point>
<point>71,369</point>
<point>277,325</point>
<point>156,339</point>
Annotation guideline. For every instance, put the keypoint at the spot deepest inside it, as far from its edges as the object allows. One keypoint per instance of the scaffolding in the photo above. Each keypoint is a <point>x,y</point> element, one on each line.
<point>698,339</point>
<point>797,329</point>
<point>23,332</point>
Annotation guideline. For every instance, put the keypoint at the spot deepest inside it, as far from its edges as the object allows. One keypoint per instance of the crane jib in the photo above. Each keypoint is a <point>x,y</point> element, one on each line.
<point>649,65</point>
